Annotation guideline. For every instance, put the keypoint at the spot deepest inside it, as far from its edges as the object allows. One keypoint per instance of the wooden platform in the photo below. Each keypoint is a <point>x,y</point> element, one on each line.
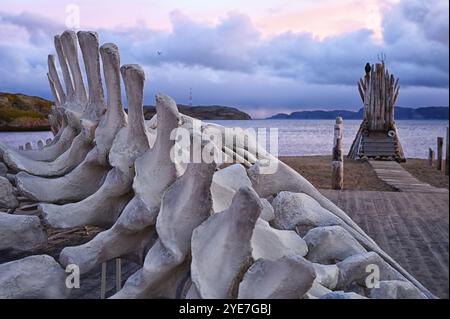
<point>411,227</point>
<point>393,174</point>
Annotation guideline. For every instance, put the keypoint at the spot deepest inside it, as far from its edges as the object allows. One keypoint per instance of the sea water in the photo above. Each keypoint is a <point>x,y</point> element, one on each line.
<point>304,137</point>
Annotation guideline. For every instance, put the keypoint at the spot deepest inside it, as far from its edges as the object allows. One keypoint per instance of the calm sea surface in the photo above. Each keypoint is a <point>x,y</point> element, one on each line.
<point>305,137</point>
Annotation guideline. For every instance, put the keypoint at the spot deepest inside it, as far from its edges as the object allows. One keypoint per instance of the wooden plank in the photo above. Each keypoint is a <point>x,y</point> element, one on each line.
<point>411,227</point>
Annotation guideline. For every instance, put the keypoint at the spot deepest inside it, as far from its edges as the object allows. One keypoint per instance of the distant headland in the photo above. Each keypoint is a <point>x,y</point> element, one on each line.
<point>401,113</point>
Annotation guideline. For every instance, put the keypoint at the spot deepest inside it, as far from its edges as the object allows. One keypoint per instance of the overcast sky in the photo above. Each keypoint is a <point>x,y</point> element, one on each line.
<point>263,56</point>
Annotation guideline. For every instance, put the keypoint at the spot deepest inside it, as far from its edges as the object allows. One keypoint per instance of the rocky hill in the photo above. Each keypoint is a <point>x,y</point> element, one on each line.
<point>213,112</point>
<point>19,112</point>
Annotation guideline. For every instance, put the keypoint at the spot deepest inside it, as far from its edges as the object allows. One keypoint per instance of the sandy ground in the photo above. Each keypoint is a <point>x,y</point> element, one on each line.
<point>420,169</point>
<point>317,169</point>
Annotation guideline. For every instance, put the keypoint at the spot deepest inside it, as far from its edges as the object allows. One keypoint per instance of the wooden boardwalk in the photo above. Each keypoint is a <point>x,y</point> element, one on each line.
<point>411,227</point>
<point>393,174</point>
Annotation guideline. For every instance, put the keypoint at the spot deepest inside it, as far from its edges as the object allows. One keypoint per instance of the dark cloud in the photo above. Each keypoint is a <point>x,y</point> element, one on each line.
<point>231,63</point>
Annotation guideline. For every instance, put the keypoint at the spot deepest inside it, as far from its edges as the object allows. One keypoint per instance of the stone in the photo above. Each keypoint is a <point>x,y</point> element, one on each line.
<point>221,247</point>
<point>21,232</point>
<point>271,244</point>
<point>289,277</point>
<point>396,289</point>
<point>34,277</point>
<point>331,244</point>
<point>7,195</point>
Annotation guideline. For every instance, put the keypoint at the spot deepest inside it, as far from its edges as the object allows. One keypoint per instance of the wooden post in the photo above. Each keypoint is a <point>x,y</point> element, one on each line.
<point>447,151</point>
<point>103,282</point>
<point>337,177</point>
<point>118,274</point>
<point>440,149</point>
<point>430,157</point>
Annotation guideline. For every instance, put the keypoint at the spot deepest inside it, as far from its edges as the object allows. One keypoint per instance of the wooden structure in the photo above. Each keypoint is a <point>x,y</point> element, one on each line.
<point>377,137</point>
<point>337,175</point>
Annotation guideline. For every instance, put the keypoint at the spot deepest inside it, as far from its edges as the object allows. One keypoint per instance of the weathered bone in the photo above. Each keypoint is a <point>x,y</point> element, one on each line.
<point>354,269</point>
<point>7,194</point>
<point>87,178</point>
<point>221,247</point>
<point>105,205</point>
<point>271,244</point>
<point>21,232</point>
<point>395,289</point>
<point>225,184</point>
<point>181,212</point>
<point>90,49</point>
<point>137,219</point>
<point>34,277</point>
<point>289,277</point>
<point>328,245</point>
<point>81,145</point>
<point>70,47</point>
<point>54,78</point>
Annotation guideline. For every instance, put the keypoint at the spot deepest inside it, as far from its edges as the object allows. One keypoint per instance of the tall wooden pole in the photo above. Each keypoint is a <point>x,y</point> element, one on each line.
<point>447,151</point>
<point>430,157</point>
<point>337,177</point>
<point>440,151</point>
